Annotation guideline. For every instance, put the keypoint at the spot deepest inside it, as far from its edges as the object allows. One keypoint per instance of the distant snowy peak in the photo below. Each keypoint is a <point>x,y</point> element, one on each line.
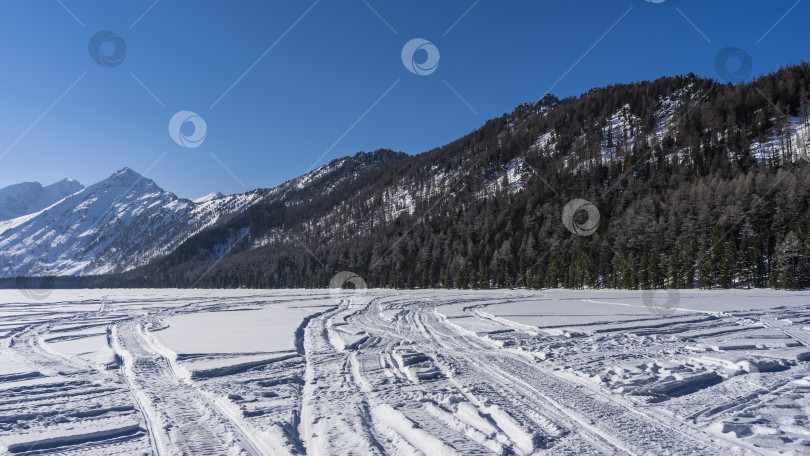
<point>129,179</point>
<point>127,220</point>
<point>30,197</point>
<point>207,198</point>
<point>117,224</point>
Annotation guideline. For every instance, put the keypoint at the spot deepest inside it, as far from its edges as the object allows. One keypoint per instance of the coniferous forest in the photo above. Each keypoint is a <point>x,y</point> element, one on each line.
<point>696,183</point>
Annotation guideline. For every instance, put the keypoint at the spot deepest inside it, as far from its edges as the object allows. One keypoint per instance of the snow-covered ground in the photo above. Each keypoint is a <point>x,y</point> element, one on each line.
<point>235,372</point>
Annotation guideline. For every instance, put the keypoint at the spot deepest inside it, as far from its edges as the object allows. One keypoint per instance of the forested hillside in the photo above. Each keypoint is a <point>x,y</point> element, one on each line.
<point>695,184</point>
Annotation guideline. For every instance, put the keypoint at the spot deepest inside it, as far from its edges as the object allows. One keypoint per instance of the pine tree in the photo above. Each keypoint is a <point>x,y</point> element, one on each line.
<point>788,257</point>
<point>704,269</point>
<point>551,274</point>
<point>728,265</point>
<point>644,272</point>
<point>674,270</point>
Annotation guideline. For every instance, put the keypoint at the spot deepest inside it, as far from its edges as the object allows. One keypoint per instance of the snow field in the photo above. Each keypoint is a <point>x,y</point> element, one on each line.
<point>249,372</point>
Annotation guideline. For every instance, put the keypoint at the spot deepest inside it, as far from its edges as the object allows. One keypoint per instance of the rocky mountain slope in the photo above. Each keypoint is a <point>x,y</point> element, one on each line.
<point>686,181</point>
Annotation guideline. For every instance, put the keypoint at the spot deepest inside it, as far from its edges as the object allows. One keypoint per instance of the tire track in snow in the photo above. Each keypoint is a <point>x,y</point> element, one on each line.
<point>609,426</point>
<point>178,417</point>
<point>612,420</point>
<point>334,416</point>
<point>416,401</point>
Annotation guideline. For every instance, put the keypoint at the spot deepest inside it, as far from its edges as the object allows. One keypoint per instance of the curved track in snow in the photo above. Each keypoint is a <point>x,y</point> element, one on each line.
<point>482,398</point>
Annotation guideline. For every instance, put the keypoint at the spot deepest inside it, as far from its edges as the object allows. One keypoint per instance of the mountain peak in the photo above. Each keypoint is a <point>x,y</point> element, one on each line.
<point>208,197</point>
<point>66,186</point>
<point>126,171</point>
<point>127,177</point>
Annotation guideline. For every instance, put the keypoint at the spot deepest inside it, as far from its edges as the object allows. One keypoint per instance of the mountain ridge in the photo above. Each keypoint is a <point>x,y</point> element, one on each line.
<point>25,198</point>
<point>485,210</point>
<point>126,221</point>
<point>118,223</point>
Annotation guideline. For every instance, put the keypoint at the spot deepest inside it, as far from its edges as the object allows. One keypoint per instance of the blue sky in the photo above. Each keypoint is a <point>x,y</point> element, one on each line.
<point>284,86</point>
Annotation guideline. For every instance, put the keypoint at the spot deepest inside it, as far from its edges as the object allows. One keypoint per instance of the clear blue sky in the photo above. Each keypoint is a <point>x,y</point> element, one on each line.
<point>296,106</point>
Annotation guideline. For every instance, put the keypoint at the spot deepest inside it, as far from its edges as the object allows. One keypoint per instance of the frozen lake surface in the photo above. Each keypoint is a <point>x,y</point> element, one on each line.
<point>233,372</point>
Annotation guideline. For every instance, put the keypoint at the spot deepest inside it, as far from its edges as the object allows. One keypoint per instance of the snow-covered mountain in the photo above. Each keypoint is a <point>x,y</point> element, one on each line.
<point>413,212</point>
<point>127,220</point>
<point>120,223</point>
<point>29,197</point>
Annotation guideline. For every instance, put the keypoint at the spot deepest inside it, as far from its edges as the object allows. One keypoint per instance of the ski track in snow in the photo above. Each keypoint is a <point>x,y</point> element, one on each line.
<point>421,372</point>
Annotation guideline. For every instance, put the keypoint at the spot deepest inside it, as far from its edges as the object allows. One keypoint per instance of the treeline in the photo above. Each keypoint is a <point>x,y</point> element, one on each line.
<point>752,231</point>
<point>683,201</point>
